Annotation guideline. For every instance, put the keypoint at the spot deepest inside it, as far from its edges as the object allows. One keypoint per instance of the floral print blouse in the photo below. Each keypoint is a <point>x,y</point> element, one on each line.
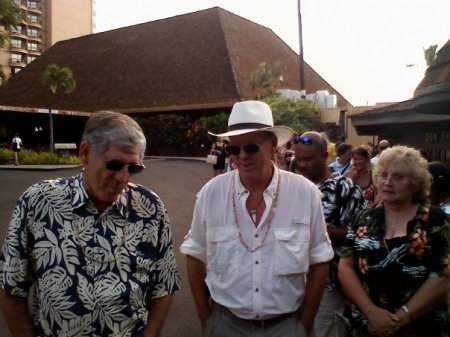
<point>391,270</point>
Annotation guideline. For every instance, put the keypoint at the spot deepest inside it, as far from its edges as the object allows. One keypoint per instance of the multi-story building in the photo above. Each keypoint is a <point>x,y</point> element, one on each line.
<point>49,21</point>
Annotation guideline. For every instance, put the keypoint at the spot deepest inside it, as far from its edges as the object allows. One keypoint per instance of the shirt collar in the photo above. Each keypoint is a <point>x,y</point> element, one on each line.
<point>271,189</point>
<point>80,197</point>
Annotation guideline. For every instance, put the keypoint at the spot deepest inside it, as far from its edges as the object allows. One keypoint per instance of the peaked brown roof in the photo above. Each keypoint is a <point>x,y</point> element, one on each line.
<point>195,61</point>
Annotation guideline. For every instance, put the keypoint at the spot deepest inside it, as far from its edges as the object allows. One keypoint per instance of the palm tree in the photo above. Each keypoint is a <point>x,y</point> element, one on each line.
<point>10,17</point>
<point>267,78</point>
<point>430,54</point>
<point>57,77</point>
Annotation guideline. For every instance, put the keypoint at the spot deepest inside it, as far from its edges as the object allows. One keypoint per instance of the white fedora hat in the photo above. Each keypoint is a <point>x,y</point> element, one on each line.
<point>251,116</point>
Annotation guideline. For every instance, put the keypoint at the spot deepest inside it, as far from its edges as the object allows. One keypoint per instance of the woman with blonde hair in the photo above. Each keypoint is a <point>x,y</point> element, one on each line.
<point>395,262</point>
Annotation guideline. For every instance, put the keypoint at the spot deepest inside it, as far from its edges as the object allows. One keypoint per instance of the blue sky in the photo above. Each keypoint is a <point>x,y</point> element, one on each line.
<point>361,47</point>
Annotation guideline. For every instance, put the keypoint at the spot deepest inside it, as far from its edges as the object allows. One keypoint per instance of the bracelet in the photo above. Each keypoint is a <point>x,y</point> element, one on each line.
<point>405,308</point>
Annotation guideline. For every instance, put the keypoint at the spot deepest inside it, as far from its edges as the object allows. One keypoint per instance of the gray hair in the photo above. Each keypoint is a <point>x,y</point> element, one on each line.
<point>107,127</point>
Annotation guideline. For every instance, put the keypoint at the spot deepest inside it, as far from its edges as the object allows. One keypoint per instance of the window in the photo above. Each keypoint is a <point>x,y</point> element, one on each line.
<point>32,18</point>
<point>32,46</point>
<point>31,59</point>
<point>32,4</point>
<point>32,32</point>
<point>17,29</point>
<point>16,43</point>
<point>15,70</point>
<point>16,58</point>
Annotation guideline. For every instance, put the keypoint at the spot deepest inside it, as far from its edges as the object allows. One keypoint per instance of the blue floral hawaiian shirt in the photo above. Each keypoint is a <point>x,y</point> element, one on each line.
<point>89,273</point>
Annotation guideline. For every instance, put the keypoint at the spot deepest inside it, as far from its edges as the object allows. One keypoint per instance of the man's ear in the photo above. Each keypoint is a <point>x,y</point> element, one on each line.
<point>84,151</point>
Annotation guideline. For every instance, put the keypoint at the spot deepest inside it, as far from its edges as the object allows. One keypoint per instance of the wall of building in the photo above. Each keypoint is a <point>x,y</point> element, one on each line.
<point>55,20</point>
<point>341,118</point>
<point>68,19</point>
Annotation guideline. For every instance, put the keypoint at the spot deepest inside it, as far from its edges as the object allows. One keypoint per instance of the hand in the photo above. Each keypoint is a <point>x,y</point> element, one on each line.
<point>383,323</point>
<point>404,318</point>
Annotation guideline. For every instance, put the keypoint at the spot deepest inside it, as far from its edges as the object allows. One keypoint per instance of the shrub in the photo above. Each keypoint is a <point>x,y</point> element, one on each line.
<point>30,157</point>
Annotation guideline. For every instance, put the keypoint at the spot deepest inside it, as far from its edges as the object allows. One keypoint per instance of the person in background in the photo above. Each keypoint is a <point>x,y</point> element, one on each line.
<point>285,154</point>
<point>361,172</point>
<point>331,148</point>
<point>395,262</point>
<point>440,187</point>
<point>382,145</point>
<point>218,148</point>
<point>257,262</point>
<point>341,200</point>
<point>343,160</point>
<point>16,145</point>
<point>94,251</point>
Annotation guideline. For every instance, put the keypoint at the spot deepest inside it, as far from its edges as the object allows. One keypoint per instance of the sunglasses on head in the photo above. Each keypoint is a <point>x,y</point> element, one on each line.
<point>116,165</point>
<point>250,148</point>
<point>306,140</point>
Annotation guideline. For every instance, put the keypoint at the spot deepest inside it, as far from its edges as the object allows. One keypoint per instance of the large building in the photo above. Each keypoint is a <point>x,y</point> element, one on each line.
<point>49,21</point>
<point>195,64</point>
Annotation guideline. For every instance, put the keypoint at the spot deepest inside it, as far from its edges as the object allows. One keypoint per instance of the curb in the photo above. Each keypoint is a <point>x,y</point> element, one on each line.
<point>66,167</point>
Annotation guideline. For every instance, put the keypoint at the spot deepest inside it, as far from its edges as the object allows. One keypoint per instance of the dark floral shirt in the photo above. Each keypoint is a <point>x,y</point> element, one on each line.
<point>392,270</point>
<point>341,200</point>
<point>91,274</point>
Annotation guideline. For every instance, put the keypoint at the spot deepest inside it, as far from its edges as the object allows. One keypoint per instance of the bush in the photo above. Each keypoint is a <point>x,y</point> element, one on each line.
<point>30,157</point>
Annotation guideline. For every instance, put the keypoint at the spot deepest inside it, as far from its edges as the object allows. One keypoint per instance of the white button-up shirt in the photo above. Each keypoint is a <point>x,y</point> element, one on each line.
<point>270,280</point>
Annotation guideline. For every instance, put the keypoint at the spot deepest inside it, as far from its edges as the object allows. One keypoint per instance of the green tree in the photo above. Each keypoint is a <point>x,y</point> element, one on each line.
<point>57,77</point>
<point>430,54</point>
<point>299,114</point>
<point>267,78</point>
<point>10,17</point>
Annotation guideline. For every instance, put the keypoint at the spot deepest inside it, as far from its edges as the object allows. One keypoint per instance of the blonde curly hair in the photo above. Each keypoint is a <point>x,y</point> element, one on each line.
<point>416,169</point>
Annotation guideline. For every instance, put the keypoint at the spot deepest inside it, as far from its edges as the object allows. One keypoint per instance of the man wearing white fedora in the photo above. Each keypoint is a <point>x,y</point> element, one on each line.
<point>258,248</point>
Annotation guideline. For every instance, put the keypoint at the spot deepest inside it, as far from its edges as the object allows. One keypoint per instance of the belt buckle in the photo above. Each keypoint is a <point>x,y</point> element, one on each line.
<point>258,323</point>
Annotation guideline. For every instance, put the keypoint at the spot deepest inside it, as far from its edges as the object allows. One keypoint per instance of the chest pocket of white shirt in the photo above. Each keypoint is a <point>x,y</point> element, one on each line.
<point>223,250</point>
<point>291,249</point>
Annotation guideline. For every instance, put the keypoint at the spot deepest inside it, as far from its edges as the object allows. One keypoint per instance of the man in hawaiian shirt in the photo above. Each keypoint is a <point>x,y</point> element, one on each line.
<point>341,199</point>
<point>94,251</point>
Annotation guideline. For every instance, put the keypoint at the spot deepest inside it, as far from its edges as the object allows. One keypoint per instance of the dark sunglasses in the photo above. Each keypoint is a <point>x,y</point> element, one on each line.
<point>250,148</point>
<point>115,165</point>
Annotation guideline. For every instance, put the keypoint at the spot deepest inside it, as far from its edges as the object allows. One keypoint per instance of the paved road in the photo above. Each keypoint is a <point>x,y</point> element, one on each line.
<point>175,181</point>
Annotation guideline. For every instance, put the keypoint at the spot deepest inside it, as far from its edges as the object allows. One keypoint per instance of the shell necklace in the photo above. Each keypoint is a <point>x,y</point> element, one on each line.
<point>268,220</point>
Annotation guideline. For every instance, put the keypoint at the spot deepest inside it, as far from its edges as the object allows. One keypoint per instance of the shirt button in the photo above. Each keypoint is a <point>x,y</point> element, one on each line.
<point>256,289</point>
<point>256,235</point>
<point>256,262</point>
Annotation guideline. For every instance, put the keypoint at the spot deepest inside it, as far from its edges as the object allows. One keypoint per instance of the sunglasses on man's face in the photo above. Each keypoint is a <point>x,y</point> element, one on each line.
<point>116,165</point>
<point>250,148</point>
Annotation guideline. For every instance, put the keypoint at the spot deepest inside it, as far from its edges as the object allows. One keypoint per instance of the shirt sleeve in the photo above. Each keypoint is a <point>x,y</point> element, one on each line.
<point>168,279</point>
<point>440,243</point>
<point>320,249</point>
<point>195,241</point>
<point>14,265</point>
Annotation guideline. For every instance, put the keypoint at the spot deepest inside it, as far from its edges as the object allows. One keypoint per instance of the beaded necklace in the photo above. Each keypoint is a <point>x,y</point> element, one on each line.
<point>269,218</point>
